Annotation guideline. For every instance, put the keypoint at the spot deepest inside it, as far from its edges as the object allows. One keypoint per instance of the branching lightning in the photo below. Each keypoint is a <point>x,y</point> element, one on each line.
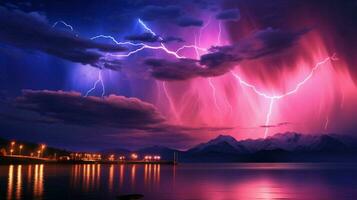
<point>64,23</point>
<point>172,106</point>
<point>213,93</point>
<point>272,98</point>
<point>267,120</point>
<point>99,80</point>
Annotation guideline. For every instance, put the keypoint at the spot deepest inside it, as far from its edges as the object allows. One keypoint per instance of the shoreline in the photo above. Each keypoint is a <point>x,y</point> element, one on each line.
<point>10,160</point>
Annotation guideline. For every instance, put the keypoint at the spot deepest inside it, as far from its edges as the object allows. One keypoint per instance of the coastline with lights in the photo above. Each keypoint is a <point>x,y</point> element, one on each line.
<point>19,153</point>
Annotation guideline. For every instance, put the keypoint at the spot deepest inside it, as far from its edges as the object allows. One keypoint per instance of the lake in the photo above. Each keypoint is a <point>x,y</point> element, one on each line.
<point>184,181</point>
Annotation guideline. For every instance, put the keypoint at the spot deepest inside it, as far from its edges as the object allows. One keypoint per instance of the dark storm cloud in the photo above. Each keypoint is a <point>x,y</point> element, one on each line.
<point>186,21</point>
<point>72,108</point>
<point>31,31</point>
<point>113,111</point>
<point>229,14</point>
<point>56,115</point>
<point>143,37</point>
<point>261,43</point>
<point>182,69</point>
<point>268,41</point>
<point>148,37</point>
<point>222,59</point>
<point>172,39</point>
<point>152,12</point>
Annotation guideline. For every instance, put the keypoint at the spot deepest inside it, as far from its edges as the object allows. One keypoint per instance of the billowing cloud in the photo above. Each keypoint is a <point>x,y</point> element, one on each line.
<point>31,31</point>
<point>182,69</point>
<point>148,37</point>
<point>172,39</point>
<point>72,108</point>
<point>143,37</point>
<point>229,14</point>
<point>266,42</point>
<point>221,59</point>
<point>261,43</point>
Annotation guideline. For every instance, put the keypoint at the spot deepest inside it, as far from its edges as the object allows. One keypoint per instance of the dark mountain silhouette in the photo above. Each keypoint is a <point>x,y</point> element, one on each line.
<point>281,147</point>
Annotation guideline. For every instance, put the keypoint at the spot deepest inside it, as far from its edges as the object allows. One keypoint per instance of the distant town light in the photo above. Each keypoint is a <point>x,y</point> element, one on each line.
<point>111,157</point>
<point>134,156</point>
<point>20,147</point>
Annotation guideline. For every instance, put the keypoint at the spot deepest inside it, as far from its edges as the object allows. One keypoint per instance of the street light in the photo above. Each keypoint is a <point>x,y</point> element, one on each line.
<point>134,156</point>
<point>12,147</point>
<point>38,153</point>
<point>20,147</point>
<point>43,146</point>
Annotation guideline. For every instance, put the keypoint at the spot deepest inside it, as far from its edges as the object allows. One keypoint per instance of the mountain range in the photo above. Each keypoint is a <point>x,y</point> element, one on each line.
<point>281,147</point>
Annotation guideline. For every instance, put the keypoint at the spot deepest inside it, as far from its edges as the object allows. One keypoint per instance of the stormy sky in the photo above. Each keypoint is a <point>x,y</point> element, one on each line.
<point>93,75</point>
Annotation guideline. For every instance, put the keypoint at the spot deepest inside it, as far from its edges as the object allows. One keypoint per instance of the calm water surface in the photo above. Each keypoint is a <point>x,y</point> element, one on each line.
<point>184,181</point>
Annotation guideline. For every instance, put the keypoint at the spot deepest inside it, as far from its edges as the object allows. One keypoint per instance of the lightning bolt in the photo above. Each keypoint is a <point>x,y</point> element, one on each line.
<point>326,123</point>
<point>99,80</point>
<point>213,93</point>
<point>272,98</point>
<point>116,41</point>
<point>267,121</point>
<point>172,106</point>
<point>64,23</point>
<point>142,46</point>
<point>219,33</point>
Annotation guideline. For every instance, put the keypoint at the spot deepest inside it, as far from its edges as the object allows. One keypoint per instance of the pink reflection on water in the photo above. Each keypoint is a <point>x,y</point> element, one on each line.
<point>10,182</point>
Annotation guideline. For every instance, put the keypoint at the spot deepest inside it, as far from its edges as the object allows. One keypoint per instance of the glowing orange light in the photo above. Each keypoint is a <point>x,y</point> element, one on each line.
<point>134,156</point>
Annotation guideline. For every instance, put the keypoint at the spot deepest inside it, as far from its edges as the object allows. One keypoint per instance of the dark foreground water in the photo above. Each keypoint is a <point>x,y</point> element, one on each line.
<point>184,181</point>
